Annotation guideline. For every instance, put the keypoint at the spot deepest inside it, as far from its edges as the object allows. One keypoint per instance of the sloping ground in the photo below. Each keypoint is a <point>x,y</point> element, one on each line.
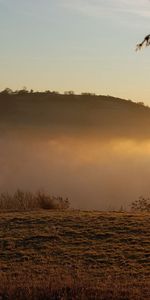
<point>105,249</point>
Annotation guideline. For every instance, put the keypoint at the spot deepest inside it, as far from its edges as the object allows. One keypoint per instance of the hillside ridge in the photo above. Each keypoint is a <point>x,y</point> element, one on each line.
<point>105,115</point>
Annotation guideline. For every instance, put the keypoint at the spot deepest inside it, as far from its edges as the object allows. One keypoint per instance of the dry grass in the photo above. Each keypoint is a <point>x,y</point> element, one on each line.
<point>68,288</point>
<point>74,255</point>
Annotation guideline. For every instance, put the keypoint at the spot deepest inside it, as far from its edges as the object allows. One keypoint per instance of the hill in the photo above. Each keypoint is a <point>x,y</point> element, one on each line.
<point>53,112</point>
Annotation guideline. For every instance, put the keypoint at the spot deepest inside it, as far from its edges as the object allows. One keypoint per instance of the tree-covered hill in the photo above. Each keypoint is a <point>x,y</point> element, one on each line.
<point>103,115</point>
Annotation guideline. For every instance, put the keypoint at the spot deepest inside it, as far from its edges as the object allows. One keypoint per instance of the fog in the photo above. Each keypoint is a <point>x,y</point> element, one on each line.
<point>93,172</point>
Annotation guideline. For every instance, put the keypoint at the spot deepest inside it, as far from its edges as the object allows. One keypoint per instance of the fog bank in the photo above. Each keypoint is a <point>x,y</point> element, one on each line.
<point>94,173</point>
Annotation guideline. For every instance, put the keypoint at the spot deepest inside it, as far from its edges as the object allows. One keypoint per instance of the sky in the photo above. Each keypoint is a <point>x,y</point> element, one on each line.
<point>78,45</point>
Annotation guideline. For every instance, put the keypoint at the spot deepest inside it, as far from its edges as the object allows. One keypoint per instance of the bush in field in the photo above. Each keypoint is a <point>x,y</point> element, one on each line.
<point>21,200</point>
<point>142,204</point>
<point>48,202</point>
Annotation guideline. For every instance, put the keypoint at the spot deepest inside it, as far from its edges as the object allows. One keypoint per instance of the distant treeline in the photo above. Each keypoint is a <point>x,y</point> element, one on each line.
<point>69,113</point>
<point>25,91</point>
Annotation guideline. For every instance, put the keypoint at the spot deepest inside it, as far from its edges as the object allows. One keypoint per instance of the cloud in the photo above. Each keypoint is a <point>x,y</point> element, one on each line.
<point>109,7</point>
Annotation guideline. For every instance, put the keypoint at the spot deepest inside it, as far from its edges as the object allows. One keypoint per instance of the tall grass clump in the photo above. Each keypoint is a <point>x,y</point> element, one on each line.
<point>23,201</point>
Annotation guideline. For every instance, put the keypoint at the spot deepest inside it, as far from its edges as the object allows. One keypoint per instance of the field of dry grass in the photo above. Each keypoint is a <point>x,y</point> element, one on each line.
<point>74,255</point>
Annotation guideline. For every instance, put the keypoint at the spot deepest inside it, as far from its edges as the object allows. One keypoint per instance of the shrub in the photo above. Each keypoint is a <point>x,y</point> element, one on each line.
<point>45,201</point>
<point>23,201</point>
<point>142,204</point>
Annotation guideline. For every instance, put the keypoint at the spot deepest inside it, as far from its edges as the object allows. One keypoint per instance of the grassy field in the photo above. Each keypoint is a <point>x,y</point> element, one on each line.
<point>74,255</point>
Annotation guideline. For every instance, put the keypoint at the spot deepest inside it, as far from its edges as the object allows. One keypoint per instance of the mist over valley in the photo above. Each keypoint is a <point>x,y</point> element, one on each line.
<point>95,150</point>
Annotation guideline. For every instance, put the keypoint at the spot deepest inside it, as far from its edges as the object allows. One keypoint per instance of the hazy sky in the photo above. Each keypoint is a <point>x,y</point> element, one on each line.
<point>80,45</point>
